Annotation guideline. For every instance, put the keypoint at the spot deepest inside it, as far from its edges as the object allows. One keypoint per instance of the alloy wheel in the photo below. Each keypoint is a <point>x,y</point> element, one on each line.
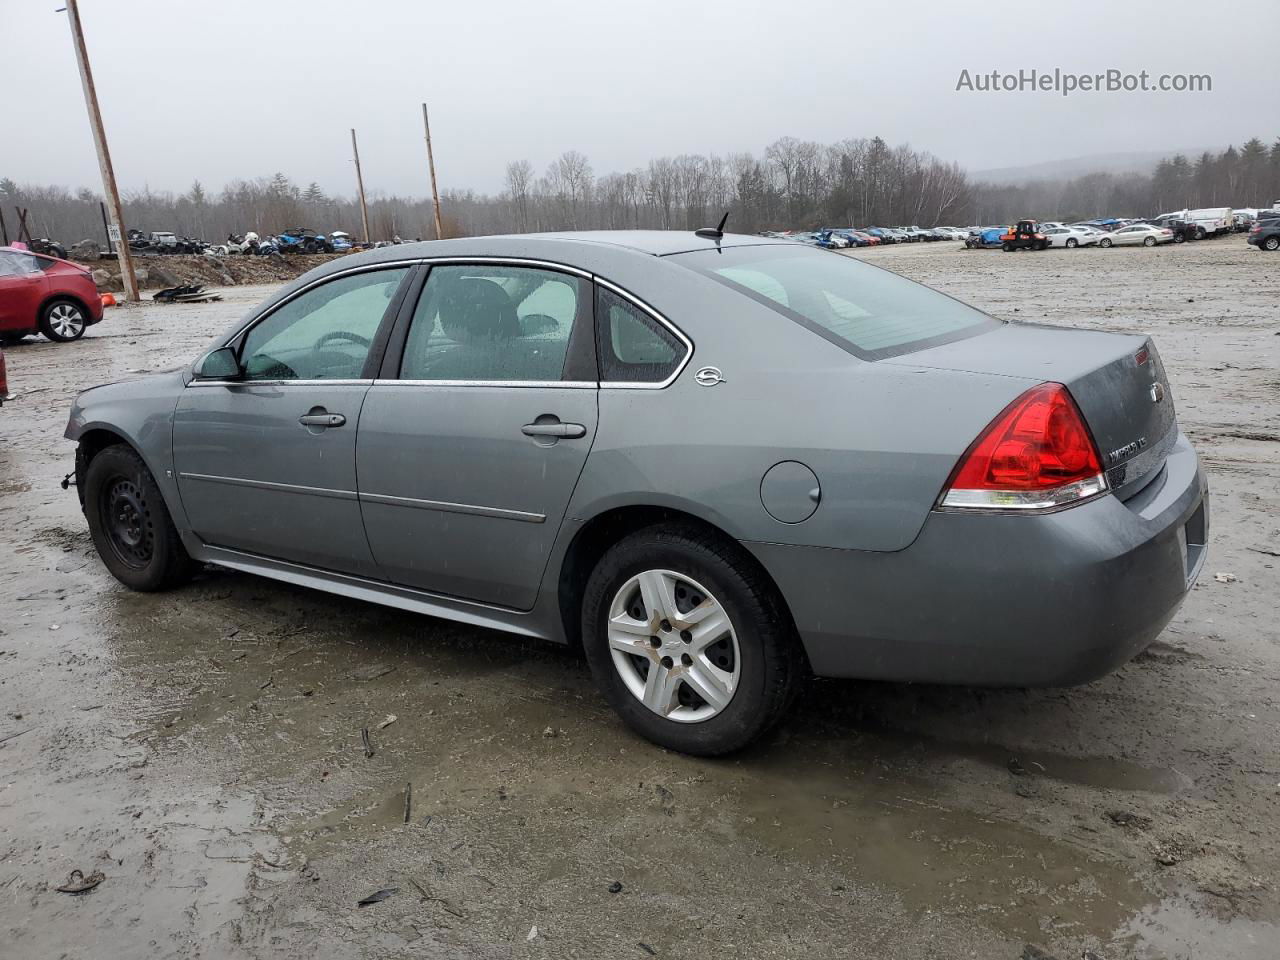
<point>674,646</point>
<point>66,320</point>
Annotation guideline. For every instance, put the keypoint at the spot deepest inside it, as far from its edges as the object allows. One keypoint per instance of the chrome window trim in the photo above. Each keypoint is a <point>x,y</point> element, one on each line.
<point>490,260</point>
<point>676,331</point>
<point>280,383</point>
<point>510,261</point>
<point>521,384</point>
<point>363,268</point>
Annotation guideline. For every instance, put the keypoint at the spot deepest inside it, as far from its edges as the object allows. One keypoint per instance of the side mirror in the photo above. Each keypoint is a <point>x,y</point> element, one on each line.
<point>220,364</point>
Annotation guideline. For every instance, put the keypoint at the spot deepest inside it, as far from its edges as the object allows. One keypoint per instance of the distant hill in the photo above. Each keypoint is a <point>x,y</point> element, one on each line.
<point>1133,162</point>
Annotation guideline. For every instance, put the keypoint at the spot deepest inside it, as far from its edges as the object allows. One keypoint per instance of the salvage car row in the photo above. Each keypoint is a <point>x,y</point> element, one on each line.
<point>1176,227</point>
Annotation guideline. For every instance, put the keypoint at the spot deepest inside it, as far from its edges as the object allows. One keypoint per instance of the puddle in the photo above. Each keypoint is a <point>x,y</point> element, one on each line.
<point>1178,928</point>
<point>1106,773</point>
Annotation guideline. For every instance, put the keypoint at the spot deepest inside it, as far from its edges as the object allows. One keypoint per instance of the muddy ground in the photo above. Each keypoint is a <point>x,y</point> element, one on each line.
<point>203,750</point>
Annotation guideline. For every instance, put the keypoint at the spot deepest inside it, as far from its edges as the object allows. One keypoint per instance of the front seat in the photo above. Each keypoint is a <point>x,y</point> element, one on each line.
<point>476,310</point>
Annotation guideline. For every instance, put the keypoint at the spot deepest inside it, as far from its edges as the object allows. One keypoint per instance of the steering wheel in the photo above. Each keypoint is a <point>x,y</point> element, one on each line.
<point>341,335</point>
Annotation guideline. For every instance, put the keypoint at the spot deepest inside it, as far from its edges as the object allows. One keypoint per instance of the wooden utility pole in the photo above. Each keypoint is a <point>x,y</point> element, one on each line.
<point>431,162</point>
<point>364,210</point>
<point>127,276</point>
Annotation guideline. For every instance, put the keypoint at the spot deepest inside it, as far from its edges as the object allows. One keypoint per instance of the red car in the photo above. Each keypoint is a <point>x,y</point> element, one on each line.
<point>40,294</point>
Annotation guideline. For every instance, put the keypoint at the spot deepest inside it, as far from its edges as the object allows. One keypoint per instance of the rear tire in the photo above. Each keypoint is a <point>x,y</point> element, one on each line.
<point>634,623</point>
<point>63,321</point>
<point>1007,247</point>
<point>130,524</point>
<point>1271,243</point>
<point>1072,243</point>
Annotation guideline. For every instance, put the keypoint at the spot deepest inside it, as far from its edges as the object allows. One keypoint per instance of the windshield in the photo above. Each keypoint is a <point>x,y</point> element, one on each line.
<point>870,312</point>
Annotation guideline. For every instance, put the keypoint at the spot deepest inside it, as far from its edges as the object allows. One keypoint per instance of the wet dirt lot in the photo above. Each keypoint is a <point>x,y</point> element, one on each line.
<point>202,748</point>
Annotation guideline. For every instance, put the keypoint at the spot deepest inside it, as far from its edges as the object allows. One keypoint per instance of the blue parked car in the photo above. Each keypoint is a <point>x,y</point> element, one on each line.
<point>298,240</point>
<point>987,238</point>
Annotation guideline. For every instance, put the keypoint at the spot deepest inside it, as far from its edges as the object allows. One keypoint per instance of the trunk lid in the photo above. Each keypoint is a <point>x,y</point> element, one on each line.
<point>1117,380</point>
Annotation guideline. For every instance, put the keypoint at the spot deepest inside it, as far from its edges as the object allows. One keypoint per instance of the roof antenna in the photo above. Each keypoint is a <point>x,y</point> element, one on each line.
<point>713,233</point>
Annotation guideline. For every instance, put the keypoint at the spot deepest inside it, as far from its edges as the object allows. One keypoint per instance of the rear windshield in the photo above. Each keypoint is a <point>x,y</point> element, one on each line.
<point>870,312</point>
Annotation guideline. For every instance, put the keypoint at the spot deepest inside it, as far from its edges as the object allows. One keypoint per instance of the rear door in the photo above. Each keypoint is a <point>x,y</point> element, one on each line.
<point>267,464</point>
<point>469,449</point>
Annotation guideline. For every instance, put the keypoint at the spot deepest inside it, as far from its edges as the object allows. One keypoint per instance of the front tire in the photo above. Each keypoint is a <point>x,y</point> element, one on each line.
<point>688,641</point>
<point>1149,242</point>
<point>1072,242</point>
<point>63,321</point>
<point>130,524</point>
<point>1104,242</point>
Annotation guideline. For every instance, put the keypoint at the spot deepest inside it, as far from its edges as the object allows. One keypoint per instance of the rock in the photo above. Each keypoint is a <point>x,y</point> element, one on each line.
<point>161,276</point>
<point>102,278</point>
<point>372,672</point>
<point>550,733</point>
<point>1026,790</point>
<point>615,887</point>
<point>85,250</point>
<point>1031,952</point>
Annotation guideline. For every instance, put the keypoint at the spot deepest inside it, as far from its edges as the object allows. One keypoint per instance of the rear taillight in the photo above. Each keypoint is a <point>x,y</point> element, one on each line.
<point>1037,454</point>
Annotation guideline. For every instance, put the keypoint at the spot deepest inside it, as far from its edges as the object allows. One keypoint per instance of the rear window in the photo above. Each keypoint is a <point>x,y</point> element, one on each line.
<point>870,312</point>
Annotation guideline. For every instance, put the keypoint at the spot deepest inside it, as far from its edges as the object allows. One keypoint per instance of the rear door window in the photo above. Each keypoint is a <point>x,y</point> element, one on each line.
<point>870,312</point>
<point>494,323</point>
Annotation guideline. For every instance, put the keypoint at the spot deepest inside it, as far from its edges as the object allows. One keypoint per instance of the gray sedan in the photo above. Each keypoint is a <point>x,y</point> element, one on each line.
<point>715,462</point>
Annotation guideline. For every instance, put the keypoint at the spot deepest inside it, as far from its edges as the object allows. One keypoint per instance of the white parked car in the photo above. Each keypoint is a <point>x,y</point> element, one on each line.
<point>1135,234</point>
<point>1060,236</point>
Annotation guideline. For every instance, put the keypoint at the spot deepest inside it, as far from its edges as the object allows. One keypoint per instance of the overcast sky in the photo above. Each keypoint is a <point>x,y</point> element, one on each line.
<point>223,89</point>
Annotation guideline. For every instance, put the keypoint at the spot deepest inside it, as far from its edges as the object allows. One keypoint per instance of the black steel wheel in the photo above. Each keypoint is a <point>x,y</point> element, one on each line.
<point>130,524</point>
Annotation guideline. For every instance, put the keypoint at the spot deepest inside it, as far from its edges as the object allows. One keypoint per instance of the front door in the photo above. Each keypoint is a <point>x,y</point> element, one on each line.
<point>267,463</point>
<point>467,460</point>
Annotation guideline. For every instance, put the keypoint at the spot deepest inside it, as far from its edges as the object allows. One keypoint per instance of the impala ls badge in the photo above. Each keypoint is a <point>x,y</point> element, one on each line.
<point>1119,453</point>
<point>709,376</point>
<point>1157,392</point>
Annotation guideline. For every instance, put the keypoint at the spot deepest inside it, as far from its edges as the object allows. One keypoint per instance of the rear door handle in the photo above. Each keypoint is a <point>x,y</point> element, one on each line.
<point>322,419</point>
<point>561,431</point>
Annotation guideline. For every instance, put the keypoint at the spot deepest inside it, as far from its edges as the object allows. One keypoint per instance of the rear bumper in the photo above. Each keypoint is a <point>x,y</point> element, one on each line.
<point>1046,600</point>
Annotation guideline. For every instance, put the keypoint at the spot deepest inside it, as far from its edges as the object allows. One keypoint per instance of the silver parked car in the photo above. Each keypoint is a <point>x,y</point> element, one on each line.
<point>716,462</point>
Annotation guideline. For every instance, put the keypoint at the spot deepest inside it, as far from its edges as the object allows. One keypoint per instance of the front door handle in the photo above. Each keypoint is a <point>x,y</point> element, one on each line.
<point>322,419</point>
<point>556,429</point>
